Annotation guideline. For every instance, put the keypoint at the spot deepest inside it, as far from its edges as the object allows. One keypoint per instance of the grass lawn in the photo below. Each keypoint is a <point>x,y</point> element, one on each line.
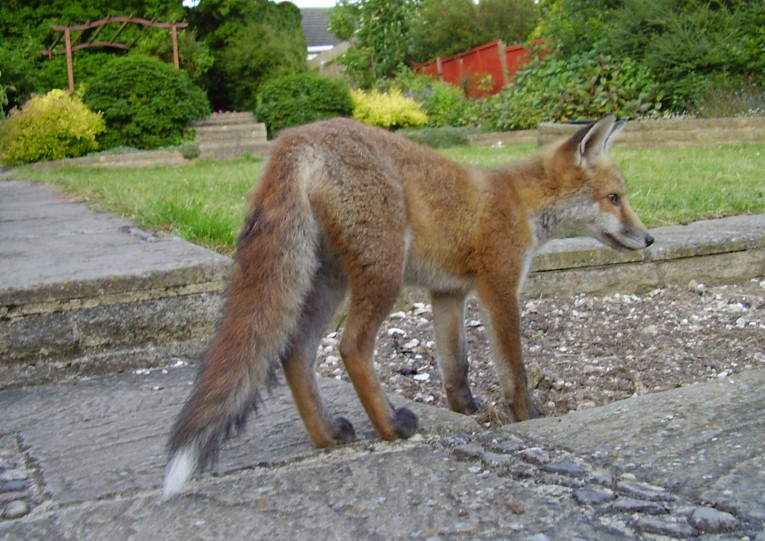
<point>205,202</point>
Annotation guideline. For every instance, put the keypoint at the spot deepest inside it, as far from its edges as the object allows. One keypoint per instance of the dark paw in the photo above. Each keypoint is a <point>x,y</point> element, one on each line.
<point>405,423</point>
<point>472,406</point>
<point>463,402</point>
<point>343,431</point>
<point>533,412</point>
<point>524,412</point>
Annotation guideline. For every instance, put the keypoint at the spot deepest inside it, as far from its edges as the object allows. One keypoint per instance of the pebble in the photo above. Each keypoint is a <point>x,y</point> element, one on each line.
<point>13,475</point>
<point>628,505</point>
<point>468,450</point>
<point>643,491</point>
<point>660,527</point>
<point>587,496</point>
<point>15,509</point>
<point>604,478</point>
<point>712,521</point>
<point>496,459</point>
<point>535,455</point>
<point>565,468</point>
<point>13,486</point>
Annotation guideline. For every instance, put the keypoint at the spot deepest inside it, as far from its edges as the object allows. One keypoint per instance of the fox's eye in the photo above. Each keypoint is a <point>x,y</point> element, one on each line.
<point>614,198</point>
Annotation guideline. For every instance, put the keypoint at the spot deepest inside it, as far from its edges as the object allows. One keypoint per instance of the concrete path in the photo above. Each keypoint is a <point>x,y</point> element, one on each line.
<point>83,458</point>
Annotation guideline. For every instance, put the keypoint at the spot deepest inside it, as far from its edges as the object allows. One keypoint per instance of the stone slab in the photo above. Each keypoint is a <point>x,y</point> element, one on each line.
<point>704,441</point>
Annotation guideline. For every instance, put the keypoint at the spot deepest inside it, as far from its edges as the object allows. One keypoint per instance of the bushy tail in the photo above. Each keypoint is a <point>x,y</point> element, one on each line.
<point>275,262</point>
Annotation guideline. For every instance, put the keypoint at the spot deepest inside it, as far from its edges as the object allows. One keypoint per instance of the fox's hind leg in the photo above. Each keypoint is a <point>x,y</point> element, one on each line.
<point>448,321</point>
<point>299,361</point>
<point>370,304</point>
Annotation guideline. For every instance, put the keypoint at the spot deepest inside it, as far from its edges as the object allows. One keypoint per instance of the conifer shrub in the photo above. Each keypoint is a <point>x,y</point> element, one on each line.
<point>49,127</point>
<point>146,103</point>
<point>390,110</point>
<point>300,98</point>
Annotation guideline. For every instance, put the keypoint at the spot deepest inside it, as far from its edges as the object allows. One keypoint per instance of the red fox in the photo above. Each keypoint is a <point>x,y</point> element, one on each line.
<point>347,207</point>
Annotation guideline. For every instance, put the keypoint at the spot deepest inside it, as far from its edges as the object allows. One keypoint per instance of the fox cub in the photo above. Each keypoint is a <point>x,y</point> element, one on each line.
<point>347,207</point>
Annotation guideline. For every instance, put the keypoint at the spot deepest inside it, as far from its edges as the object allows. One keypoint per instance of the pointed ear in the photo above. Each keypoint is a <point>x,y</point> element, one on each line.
<point>615,130</point>
<point>592,141</point>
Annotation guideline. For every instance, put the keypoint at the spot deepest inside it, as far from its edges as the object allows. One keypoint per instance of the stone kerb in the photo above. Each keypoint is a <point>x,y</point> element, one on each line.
<point>673,132</point>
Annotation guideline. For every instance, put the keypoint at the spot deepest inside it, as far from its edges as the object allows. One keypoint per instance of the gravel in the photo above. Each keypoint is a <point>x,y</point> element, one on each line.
<point>582,351</point>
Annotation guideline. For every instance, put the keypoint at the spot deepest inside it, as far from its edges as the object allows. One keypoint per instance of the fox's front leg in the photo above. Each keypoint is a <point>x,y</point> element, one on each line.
<point>500,302</point>
<point>449,324</point>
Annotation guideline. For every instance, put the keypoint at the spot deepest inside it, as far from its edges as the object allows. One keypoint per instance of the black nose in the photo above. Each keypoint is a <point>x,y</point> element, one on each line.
<point>648,240</point>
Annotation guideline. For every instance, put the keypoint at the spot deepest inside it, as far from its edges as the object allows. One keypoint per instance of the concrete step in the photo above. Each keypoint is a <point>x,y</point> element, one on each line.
<point>226,118</point>
<point>227,150</point>
<point>87,293</point>
<point>238,132</point>
<point>224,136</point>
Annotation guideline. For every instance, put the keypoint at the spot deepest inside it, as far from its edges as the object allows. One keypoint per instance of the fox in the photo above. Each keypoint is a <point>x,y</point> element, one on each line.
<point>346,208</point>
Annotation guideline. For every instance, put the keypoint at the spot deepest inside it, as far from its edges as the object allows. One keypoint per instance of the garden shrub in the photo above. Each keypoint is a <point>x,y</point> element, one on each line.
<point>442,137</point>
<point>189,150</point>
<point>146,103</point>
<point>442,102</point>
<point>49,127</point>
<point>300,98</point>
<point>583,87</point>
<point>390,110</point>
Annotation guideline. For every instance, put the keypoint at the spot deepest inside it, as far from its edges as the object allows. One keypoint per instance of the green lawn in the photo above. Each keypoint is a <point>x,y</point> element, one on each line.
<point>205,202</point>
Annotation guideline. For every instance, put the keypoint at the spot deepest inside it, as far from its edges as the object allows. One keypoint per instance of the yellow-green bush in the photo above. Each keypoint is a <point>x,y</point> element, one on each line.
<point>50,127</point>
<point>390,110</point>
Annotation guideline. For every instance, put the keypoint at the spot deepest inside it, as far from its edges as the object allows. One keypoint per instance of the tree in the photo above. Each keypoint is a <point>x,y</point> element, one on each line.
<point>382,37</point>
<point>251,41</point>
<point>509,20</point>
<point>445,27</point>
<point>691,47</point>
<point>389,37</point>
<point>25,30</point>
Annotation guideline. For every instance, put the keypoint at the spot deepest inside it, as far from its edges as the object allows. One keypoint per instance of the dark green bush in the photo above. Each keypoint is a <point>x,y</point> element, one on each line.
<point>300,98</point>
<point>145,102</point>
<point>582,87</point>
<point>443,137</point>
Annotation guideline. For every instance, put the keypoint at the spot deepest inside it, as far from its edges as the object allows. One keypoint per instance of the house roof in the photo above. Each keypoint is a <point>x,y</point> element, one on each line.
<point>316,28</point>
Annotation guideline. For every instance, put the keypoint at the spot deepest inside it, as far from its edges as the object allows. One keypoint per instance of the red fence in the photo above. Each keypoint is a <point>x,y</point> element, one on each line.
<point>471,70</point>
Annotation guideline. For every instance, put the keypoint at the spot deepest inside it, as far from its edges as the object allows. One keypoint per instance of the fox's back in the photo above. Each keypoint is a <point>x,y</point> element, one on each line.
<point>364,178</point>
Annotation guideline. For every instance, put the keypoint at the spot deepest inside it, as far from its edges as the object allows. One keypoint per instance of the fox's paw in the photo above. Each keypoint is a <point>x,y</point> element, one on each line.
<point>404,422</point>
<point>524,412</point>
<point>343,431</point>
<point>473,406</point>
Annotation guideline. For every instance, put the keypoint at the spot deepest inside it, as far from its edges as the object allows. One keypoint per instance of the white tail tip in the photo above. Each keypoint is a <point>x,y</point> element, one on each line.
<point>179,469</point>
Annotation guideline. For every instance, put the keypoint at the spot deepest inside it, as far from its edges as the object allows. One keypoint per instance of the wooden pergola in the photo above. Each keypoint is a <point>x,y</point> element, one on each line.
<point>99,25</point>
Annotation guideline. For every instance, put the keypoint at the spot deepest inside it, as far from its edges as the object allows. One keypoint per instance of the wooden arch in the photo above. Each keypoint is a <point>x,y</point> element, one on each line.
<point>99,25</point>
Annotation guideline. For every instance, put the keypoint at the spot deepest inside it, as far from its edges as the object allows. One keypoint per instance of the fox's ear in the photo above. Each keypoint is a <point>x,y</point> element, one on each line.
<point>594,140</point>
